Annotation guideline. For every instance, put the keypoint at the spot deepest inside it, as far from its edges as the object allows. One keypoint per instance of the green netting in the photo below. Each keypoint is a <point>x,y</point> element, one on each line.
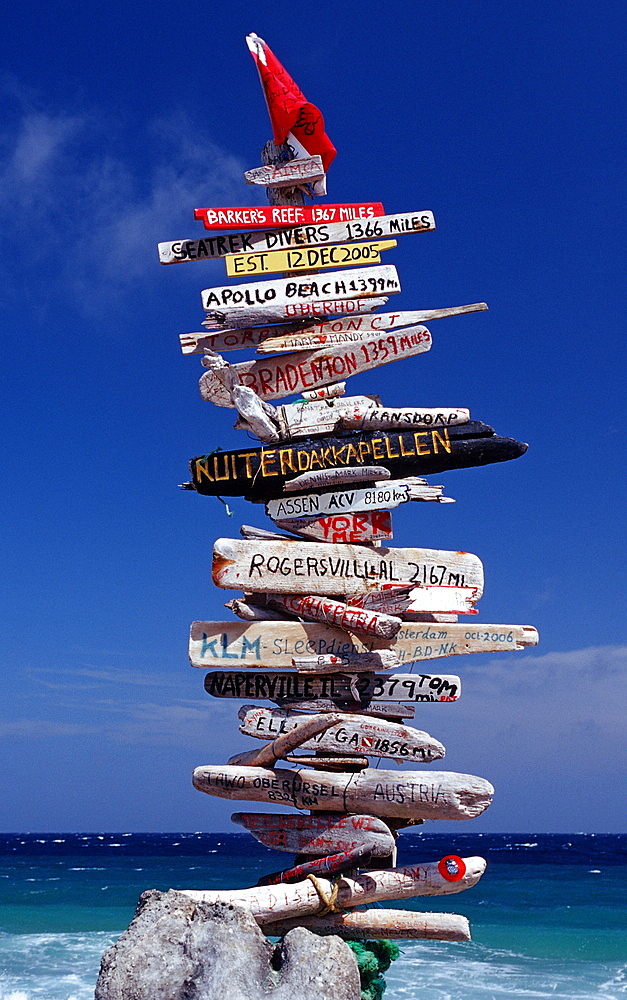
<point>373,958</point>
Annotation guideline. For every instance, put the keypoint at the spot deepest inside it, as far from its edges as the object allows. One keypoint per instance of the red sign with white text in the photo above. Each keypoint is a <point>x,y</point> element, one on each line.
<point>270,216</point>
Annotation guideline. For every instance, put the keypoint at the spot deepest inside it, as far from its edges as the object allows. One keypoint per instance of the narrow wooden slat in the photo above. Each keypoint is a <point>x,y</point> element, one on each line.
<point>319,479</point>
<point>362,528</point>
<point>304,170</point>
<point>306,729</point>
<point>265,217</point>
<point>339,688</point>
<point>248,265</point>
<point>317,609</point>
<point>444,795</point>
<point>373,498</point>
<point>315,309</point>
<point>373,925</point>
<point>283,375</point>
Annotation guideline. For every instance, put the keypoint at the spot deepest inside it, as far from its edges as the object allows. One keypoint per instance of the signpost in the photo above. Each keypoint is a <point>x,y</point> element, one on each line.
<point>307,258</point>
<point>339,687</point>
<point>302,171</point>
<point>261,473</point>
<point>296,309</point>
<point>288,568</point>
<point>237,645</point>
<point>286,374</point>
<point>363,528</point>
<point>269,216</point>
<point>176,251</point>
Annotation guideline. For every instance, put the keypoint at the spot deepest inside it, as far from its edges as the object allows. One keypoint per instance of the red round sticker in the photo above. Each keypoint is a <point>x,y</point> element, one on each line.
<point>452,868</point>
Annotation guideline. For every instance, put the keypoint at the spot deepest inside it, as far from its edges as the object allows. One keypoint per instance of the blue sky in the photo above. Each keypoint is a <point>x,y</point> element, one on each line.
<point>115,123</point>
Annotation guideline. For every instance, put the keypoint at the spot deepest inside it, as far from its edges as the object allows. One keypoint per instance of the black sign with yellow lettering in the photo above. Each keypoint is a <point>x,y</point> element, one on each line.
<point>260,473</point>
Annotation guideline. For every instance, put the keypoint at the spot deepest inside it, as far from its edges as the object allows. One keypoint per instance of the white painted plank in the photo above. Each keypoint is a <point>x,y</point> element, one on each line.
<point>299,419</point>
<point>443,600</point>
<point>378,659</point>
<point>363,283</point>
<point>294,173</point>
<point>380,495</point>
<point>444,795</point>
<point>237,645</point>
<point>286,742</point>
<point>180,251</point>
<point>350,528</point>
<point>287,374</point>
<point>318,478</point>
<point>297,309</point>
<point>324,569</point>
<point>353,733</point>
<point>268,903</point>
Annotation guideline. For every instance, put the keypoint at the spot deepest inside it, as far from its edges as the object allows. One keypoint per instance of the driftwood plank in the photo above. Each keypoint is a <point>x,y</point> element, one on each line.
<point>261,473</point>
<point>266,217</point>
<point>306,170</point>
<point>296,309</point>
<point>307,728</point>
<point>296,420</point>
<point>307,335</point>
<point>375,709</point>
<point>445,795</point>
<point>288,568</point>
<point>319,609</point>
<point>378,659</point>
<point>333,864</point>
<point>176,251</point>
<point>353,733</point>
<point>321,478</point>
<point>351,528</point>
<point>307,258</point>
<point>338,688</point>
<point>363,283</point>
<point>287,374</point>
<point>349,330</point>
<point>318,835</point>
<point>397,601</point>
<point>387,494</point>
<point>373,925</point>
<point>274,644</point>
<point>272,903</point>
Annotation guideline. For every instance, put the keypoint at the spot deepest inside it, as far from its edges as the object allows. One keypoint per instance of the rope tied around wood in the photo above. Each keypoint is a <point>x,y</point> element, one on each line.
<point>328,903</point>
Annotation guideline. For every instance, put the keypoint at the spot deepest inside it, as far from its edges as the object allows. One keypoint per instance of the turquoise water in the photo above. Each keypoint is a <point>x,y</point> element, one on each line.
<point>548,918</point>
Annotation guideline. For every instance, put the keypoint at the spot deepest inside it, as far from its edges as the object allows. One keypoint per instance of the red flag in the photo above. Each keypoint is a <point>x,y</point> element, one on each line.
<point>294,119</point>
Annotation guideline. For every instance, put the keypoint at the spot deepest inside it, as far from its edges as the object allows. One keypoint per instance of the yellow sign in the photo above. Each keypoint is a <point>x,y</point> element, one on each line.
<point>307,258</point>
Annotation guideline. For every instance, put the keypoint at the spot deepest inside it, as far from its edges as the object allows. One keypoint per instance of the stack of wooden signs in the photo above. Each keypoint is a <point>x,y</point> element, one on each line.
<point>331,620</point>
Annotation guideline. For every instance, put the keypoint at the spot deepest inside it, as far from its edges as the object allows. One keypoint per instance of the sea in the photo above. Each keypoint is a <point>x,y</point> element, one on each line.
<point>548,918</point>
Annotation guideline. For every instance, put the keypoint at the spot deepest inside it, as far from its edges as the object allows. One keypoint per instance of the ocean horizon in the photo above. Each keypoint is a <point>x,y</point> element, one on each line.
<point>547,918</point>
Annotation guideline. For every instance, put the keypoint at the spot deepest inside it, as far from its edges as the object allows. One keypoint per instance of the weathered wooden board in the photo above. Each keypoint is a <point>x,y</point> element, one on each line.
<point>260,241</point>
<point>287,374</point>
<point>290,568</point>
<point>307,258</point>
<point>333,864</point>
<point>290,509</point>
<point>445,795</point>
<point>272,903</point>
<point>392,924</point>
<point>363,283</point>
<point>323,609</point>
<point>323,478</point>
<point>297,420</point>
<point>349,330</point>
<point>352,528</point>
<point>266,216</point>
<point>261,473</point>
<point>307,728</point>
<point>388,710</point>
<point>305,170</point>
<point>274,312</point>
<point>324,392</point>
<point>353,733</point>
<point>274,644</point>
<point>378,659</point>
<point>328,763</point>
<point>306,335</point>
<point>339,688</point>
<point>443,600</point>
<point>317,835</point>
